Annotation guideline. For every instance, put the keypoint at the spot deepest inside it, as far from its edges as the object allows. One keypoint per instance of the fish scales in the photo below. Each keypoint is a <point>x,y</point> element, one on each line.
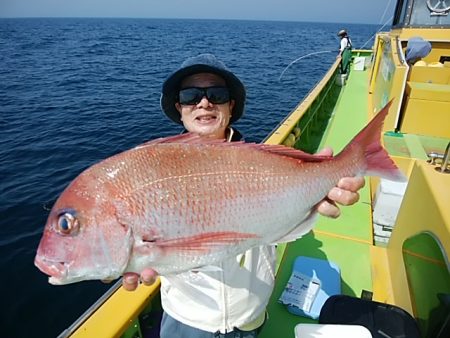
<point>198,196</point>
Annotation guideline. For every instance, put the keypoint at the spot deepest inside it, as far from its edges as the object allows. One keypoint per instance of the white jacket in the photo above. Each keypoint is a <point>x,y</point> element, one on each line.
<point>235,294</point>
<point>345,42</point>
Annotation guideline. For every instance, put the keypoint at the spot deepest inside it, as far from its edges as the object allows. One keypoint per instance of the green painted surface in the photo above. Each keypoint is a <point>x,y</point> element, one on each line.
<point>425,262</point>
<point>350,114</point>
<point>424,245</point>
<point>316,119</point>
<point>395,144</point>
<point>353,221</point>
<point>345,241</point>
<point>417,146</point>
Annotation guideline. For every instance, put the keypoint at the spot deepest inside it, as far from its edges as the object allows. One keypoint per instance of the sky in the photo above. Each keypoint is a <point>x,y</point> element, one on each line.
<point>346,11</point>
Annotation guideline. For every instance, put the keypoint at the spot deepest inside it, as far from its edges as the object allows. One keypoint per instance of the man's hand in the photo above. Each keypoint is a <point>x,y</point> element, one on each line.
<point>130,280</point>
<point>345,193</point>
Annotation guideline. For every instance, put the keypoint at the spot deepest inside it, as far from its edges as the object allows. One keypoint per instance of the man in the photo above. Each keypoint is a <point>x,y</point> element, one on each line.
<point>345,50</point>
<point>230,300</point>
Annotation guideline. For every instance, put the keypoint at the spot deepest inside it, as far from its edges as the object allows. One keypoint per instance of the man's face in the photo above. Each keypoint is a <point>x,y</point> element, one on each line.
<point>205,118</point>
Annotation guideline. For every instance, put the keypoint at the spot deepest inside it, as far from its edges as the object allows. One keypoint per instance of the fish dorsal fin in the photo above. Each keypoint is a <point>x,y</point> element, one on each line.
<point>193,138</point>
<point>294,153</point>
<point>187,138</point>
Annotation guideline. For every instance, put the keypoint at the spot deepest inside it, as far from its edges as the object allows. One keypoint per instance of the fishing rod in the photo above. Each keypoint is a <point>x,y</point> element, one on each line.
<point>376,32</point>
<point>385,11</point>
<point>302,57</point>
<point>381,20</point>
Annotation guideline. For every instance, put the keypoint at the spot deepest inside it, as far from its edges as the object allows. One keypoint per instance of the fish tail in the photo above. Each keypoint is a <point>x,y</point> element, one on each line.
<point>377,160</point>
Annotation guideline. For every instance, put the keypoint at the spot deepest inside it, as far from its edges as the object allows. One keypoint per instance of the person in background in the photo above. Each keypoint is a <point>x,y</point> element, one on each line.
<point>230,300</point>
<point>345,50</point>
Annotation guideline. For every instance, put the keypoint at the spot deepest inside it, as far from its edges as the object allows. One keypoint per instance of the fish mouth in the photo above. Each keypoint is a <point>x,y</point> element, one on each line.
<point>56,270</point>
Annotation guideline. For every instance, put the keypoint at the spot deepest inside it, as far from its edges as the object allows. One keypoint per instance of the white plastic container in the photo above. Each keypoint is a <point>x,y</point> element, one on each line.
<point>331,331</point>
<point>359,63</point>
<point>341,79</point>
<point>388,198</point>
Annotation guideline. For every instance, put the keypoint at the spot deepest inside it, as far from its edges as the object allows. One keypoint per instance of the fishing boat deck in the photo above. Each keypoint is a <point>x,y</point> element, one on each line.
<point>352,230</point>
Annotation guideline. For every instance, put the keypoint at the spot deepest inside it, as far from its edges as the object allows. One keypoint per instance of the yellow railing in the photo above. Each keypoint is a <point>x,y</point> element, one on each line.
<point>115,314</point>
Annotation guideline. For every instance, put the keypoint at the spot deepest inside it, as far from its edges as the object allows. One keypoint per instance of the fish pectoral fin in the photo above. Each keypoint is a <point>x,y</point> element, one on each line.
<point>301,229</point>
<point>208,268</point>
<point>204,242</point>
<point>147,245</point>
<point>294,153</point>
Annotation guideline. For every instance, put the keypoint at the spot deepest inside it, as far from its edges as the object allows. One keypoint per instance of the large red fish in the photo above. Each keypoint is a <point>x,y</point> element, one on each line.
<point>184,202</point>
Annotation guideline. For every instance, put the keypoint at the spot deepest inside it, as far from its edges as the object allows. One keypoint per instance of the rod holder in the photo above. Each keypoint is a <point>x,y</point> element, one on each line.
<point>445,161</point>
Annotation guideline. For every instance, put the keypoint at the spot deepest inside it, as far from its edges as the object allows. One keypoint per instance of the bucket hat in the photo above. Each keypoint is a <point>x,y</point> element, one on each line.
<point>203,63</point>
<point>342,32</point>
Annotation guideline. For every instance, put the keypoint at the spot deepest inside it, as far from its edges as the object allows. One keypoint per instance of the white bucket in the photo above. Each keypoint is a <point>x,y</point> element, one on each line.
<point>341,79</point>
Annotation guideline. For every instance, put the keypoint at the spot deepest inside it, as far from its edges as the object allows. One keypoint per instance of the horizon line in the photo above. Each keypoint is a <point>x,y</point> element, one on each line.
<point>185,18</point>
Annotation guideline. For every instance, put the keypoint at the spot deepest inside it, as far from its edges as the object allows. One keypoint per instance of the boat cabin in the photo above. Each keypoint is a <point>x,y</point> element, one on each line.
<point>415,54</point>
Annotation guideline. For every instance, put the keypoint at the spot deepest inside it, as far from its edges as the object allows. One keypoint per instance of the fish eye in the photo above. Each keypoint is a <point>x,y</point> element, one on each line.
<point>66,223</point>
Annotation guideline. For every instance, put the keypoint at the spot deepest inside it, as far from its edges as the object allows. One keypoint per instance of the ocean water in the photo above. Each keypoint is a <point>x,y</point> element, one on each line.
<point>75,91</point>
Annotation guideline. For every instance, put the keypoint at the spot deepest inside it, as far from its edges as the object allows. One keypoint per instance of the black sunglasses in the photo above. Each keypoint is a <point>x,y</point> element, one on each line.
<point>194,95</point>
